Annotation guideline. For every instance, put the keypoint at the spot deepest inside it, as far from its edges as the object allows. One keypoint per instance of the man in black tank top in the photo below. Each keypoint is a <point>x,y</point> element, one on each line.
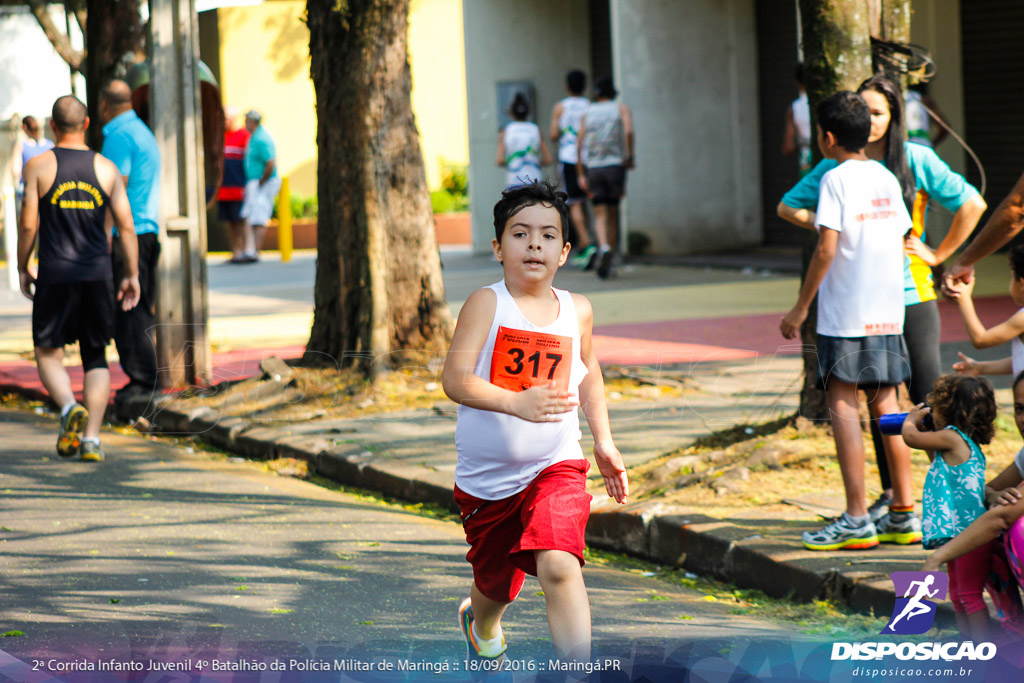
<point>70,192</point>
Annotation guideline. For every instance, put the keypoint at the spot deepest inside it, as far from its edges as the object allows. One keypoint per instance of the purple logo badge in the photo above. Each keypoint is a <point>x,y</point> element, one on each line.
<point>916,597</point>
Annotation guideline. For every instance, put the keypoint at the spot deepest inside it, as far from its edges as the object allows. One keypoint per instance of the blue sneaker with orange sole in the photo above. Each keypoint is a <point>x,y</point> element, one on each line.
<point>488,653</point>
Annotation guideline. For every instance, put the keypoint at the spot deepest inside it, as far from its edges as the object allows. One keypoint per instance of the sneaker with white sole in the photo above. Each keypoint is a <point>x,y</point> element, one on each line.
<point>904,532</point>
<point>880,508</point>
<point>69,437</point>
<point>490,651</point>
<point>842,535</point>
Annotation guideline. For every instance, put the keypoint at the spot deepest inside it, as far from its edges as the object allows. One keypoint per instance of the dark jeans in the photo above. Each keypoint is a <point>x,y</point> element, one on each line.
<point>921,332</point>
<point>134,329</point>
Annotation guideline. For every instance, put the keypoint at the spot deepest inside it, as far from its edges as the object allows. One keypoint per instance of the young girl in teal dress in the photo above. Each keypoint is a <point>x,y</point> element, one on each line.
<point>964,410</point>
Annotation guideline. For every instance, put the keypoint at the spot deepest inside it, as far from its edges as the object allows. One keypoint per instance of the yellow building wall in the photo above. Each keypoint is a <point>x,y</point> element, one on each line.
<point>438,58</point>
<point>264,57</point>
<point>264,65</point>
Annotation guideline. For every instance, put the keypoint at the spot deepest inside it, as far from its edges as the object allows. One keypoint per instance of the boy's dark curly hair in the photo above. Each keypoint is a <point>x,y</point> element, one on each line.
<point>515,199</point>
<point>967,403</point>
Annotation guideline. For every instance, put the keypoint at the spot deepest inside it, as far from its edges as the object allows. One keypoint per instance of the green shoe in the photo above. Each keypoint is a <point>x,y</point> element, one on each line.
<point>585,258</point>
<point>91,451</point>
<point>71,425</point>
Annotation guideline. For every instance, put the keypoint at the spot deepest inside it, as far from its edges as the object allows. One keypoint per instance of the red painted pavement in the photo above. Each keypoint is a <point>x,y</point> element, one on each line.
<point>759,334</point>
<point>697,340</point>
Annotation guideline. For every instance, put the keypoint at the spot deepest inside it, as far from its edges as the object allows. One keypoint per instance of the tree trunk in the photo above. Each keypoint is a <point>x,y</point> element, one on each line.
<point>837,56</point>
<point>378,289</point>
<point>114,35</point>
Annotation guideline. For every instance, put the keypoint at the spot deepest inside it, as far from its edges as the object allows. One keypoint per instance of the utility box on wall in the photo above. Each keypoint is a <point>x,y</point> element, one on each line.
<point>506,92</point>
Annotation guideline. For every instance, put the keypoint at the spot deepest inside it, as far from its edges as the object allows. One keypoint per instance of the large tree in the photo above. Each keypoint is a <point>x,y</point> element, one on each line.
<point>838,55</point>
<point>378,282</point>
<point>113,37</point>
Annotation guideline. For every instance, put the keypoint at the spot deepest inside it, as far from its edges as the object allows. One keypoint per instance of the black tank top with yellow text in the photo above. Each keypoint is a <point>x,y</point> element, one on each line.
<point>73,244</point>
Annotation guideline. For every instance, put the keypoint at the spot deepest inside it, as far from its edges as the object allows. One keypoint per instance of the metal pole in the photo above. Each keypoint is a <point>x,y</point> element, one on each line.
<point>284,221</point>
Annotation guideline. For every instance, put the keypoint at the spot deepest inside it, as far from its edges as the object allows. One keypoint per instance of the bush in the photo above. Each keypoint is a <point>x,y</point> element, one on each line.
<point>441,201</point>
<point>454,192</point>
<point>304,208</point>
<point>301,208</point>
<point>455,178</point>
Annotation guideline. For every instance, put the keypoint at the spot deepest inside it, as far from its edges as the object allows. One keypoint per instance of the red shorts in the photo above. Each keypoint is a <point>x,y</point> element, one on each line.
<point>549,514</point>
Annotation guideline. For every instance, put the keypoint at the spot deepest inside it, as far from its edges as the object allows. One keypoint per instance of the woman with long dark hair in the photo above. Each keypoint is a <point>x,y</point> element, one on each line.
<point>923,176</point>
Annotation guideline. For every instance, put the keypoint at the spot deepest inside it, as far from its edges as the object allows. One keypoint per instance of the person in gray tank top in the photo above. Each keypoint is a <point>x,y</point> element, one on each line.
<point>606,143</point>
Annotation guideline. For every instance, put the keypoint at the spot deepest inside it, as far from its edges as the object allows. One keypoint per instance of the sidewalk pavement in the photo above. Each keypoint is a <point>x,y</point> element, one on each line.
<point>719,326</point>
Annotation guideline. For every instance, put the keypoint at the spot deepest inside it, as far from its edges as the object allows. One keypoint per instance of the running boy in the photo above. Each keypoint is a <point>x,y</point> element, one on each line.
<point>858,265</point>
<point>521,362</point>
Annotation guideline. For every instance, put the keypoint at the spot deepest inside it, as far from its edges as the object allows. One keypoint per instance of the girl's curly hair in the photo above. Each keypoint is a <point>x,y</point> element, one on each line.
<point>967,403</point>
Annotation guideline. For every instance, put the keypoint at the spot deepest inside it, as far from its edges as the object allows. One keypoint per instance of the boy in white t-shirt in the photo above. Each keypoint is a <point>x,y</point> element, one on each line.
<point>521,362</point>
<point>857,273</point>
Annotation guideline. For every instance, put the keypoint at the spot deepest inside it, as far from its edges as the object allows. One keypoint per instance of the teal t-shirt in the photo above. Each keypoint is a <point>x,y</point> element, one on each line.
<point>954,496</point>
<point>260,150</point>
<point>935,180</point>
<point>129,143</point>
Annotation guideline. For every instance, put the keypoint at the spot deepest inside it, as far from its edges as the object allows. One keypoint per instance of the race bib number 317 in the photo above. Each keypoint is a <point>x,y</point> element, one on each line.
<point>523,359</point>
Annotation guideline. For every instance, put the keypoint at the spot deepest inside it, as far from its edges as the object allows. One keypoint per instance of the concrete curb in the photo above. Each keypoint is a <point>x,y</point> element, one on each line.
<point>649,530</point>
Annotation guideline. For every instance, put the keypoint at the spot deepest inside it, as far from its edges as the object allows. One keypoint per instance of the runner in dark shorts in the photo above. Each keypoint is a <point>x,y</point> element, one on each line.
<point>607,184</point>
<point>69,191</point>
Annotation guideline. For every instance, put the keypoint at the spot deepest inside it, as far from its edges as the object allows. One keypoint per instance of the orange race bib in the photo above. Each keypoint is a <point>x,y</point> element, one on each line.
<point>523,359</point>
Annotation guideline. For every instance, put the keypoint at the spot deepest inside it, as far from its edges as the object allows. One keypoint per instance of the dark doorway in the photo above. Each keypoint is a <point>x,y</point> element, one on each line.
<point>776,61</point>
<point>600,40</point>
<point>994,92</point>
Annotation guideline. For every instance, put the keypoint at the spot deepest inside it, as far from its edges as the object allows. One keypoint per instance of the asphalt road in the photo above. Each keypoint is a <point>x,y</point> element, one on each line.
<point>168,554</point>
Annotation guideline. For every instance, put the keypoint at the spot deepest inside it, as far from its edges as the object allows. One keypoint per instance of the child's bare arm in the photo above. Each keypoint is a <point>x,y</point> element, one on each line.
<point>982,530</point>
<point>595,409</point>
<point>581,174</point>
<point>545,155</point>
<point>1003,489</point>
<point>553,132</point>
<point>953,448</point>
<point>973,368</point>
<point>981,337</point>
<point>500,159</point>
<point>629,135</point>
<point>461,383</point>
<point>802,218</point>
<point>821,261</point>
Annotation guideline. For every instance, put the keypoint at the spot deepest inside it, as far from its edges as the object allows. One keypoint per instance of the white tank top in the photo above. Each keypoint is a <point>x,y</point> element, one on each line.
<point>522,153</point>
<point>1016,355</point>
<point>604,142</point>
<point>918,123</point>
<point>569,128</point>
<point>500,454</point>
<point>802,120</point>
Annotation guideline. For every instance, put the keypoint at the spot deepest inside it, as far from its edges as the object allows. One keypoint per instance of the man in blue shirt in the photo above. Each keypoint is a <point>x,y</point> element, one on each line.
<point>130,144</point>
<point>261,181</point>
